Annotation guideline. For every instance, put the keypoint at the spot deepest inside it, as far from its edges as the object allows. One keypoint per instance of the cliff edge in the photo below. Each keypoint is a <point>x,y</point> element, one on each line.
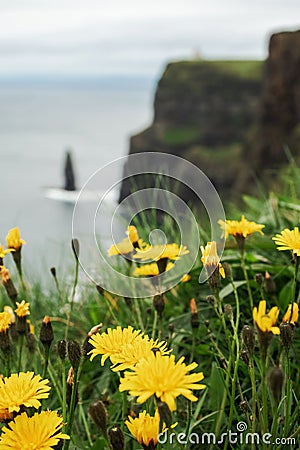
<point>230,118</point>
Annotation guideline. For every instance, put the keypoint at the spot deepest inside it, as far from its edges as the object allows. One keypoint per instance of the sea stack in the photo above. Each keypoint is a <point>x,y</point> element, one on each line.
<point>69,173</point>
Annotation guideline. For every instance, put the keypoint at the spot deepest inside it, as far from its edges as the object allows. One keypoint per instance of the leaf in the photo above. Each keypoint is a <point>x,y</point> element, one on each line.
<point>227,290</point>
<point>285,295</point>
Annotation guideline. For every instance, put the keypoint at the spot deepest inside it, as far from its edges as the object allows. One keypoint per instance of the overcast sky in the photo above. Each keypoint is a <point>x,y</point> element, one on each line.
<point>134,37</point>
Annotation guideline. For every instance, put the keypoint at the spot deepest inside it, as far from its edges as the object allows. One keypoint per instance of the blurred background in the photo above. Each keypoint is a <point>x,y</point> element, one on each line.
<point>82,75</point>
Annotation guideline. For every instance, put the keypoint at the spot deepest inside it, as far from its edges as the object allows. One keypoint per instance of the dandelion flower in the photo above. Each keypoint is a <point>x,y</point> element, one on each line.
<point>264,321</point>
<point>132,234</point>
<point>145,429</point>
<point>5,321</point>
<point>131,354</point>
<point>150,270</point>
<point>240,228</point>
<point>210,258</point>
<point>14,240</point>
<point>161,251</point>
<point>22,309</point>
<point>4,251</point>
<point>39,432</point>
<point>288,240</point>
<point>111,342</point>
<point>22,388</point>
<point>292,314</point>
<point>163,377</point>
<point>4,274</point>
<point>187,277</point>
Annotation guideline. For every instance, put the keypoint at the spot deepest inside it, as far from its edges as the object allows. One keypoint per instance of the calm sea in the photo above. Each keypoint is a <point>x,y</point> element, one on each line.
<point>38,122</point>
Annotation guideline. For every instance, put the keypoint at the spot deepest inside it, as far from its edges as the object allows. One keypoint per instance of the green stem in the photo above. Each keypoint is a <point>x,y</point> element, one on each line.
<point>138,313</point>
<point>85,424</point>
<point>20,351</point>
<point>293,299</point>
<point>243,264</point>
<point>47,351</point>
<point>288,394</point>
<point>64,392</point>
<point>189,418</point>
<point>154,324</point>
<point>254,400</point>
<point>124,410</point>
<point>72,405</point>
<point>72,298</point>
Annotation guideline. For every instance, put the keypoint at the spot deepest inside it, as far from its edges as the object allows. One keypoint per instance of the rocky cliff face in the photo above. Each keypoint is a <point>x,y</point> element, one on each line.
<point>230,118</point>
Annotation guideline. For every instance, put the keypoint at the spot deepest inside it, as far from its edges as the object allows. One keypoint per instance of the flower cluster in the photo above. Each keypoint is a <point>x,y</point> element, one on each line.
<point>158,257</point>
<point>42,430</point>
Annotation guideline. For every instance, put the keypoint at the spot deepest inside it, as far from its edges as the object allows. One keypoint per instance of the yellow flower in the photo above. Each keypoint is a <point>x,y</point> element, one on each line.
<point>22,309</point>
<point>145,429</point>
<point>11,312</point>
<point>39,432</point>
<point>242,228</point>
<point>23,388</point>
<point>14,240</point>
<point>150,270</point>
<point>210,258</point>
<point>265,321</point>
<point>156,252</point>
<point>161,376</point>
<point>5,321</point>
<point>186,278</point>
<point>292,314</point>
<point>111,342</point>
<point>132,234</point>
<point>131,354</point>
<point>122,248</point>
<point>288,240</point>
<point>4,274</point>
<point>4,251</point>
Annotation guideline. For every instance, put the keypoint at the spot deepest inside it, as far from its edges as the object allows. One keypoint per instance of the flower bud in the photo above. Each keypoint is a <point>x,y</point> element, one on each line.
<point>211,299</point>
<point>61,348</point>
<point>228,312</point>
<point>75,247</point>
<point>53,272</point>
<point>5,342</point>
<point>70,387</point>
<point>194,314</point>
<point>245,357</point>
<point>159,304</point>
<point>116,438</point>
<point>286,335</point>
<point>248,337</point>
<point>46,332</point>
<point>87,346</point>
<point>98,414</point>
<point>31,342</point>
<point>74,354</point>
<point>244,406</point>
<point>270,285</point>
<point>259,279</point>
<point>227,270</point>
<point>276,382</point>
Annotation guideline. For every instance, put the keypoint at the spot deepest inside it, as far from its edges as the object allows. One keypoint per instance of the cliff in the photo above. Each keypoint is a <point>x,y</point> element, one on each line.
<point>230,118</point>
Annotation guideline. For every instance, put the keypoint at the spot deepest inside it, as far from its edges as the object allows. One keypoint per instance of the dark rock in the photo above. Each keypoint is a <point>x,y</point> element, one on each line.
<point>231,119</point>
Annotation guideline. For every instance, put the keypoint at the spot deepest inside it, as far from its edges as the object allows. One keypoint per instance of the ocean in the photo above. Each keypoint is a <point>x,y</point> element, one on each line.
<point>39,121</point>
